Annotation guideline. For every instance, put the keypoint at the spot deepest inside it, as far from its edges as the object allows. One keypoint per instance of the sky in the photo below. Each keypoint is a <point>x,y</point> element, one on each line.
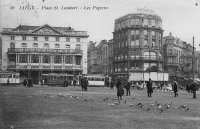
<point>180,17</point>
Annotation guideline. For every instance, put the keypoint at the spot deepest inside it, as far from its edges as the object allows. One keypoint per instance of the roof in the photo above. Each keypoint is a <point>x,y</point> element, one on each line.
<point>44,30</point>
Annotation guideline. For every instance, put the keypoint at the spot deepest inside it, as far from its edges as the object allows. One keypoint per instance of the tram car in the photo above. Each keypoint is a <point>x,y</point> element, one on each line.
<point>97,80</point>
<point>56,79</point>
<point>9,78</point>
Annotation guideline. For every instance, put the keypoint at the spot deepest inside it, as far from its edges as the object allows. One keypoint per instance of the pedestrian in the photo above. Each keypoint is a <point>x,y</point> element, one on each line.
<point>194,88</point>
<point>25,82</point>
<point>120,89</point>
<point>82,84</point>
<point>8,82</point>
<point>74,82</point>
<point>66,83</point>
<point>111,84</point>
<point>149,87</point>
<point>128,86</point>
<point>187,87</point>
<point>175,88</point>
<point>30,83</point>
<point>85,84</point>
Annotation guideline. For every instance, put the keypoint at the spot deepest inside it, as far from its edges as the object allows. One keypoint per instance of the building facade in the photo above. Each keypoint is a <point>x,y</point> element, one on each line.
<point>98,58</point>
<point>178,57</point>
<point>36,50</point>
<point>137,44</point>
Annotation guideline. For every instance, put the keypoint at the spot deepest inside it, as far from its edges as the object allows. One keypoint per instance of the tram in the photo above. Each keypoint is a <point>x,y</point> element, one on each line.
<point>56,79</point>
<point>8,77</point>
<point>97,80</point>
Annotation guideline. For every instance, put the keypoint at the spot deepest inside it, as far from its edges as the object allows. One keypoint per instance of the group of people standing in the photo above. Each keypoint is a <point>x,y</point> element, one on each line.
<point>84,83</point>
<point>28,82</point>
<point>120,85</point>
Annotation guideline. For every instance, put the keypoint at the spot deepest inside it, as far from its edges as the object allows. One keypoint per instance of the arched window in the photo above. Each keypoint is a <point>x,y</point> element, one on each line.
<point>57,46</point>
<point>57,59</point>
<point>68,59</point>
<point>46,59</point>
<point>35,45</point>
<point>67,46</point>
<point>24,45</point>
<point>23,59</point>
<point>35,59</point>
<point>46,45</point>
<point>12,45</point>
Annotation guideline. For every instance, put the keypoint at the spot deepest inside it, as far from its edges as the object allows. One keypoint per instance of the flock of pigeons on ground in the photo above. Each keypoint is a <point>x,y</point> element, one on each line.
<point>114,102</point>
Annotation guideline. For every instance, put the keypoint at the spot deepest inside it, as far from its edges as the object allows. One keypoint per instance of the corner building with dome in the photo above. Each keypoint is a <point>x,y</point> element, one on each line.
<point>137,47</point>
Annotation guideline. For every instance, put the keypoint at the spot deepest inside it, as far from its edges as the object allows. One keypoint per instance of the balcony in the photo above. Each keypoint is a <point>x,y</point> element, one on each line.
<point>42,50</point>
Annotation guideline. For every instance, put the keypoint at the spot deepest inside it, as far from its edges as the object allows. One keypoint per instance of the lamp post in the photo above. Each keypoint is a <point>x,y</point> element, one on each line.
<point>193,59</point>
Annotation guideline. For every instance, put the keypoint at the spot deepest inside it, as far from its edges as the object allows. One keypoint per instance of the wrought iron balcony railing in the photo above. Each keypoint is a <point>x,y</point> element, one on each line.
<point>43,50</point>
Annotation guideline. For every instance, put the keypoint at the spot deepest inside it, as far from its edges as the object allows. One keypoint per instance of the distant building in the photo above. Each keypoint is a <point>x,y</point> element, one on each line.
<point>137,46</point>
<point>0,53</point>
<point>36,50</point>
<point>178,57</point>
<point>98,58</point>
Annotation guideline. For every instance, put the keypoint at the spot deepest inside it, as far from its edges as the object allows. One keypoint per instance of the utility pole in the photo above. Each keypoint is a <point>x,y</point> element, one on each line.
<point>193,59</point>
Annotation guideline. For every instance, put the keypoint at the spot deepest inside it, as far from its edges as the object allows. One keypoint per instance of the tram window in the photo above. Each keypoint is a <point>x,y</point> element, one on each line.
<point>102,79</point>
<point>97,79</point>
<point>90,78</point>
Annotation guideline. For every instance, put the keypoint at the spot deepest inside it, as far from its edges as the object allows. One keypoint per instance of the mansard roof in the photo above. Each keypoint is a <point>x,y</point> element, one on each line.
<point>45,30</point>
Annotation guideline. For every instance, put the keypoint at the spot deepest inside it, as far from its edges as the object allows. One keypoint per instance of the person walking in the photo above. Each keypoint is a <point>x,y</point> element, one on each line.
<point>25,82</point>
<point>175,88</point>
<point>149,88</point>
<point>111,84</point>
<point>85,84</point>
<point>194,89</point>
<point>187,87</point>
<point>127,87</point>
<point>66,83</point>
<point>120,90</point>
<point>74,82</point>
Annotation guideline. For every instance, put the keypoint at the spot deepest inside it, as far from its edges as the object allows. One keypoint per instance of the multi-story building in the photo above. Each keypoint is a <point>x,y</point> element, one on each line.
<point>98,58</point>
<point>137,44</point>
<point>36,50</point>
<point>110,58</point>
<point>0,53</point>
<point>178,57</point>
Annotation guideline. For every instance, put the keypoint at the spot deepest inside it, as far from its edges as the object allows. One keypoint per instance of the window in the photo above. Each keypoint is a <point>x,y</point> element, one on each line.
<point>24,45</point>
<point>145,43</point>
<point>68,59</point>
<point>57,59</point>
<point>67,39</point>
<point>145,32</point>
<point>12,37</point>
<point>67,46</point>
<point>46,38</point>
<point>137,32</point>
<point>78,60</point>
<point>153,23</point>
<point>35,59</point>
<point>145,23</point>
<point>78,39</point>
<point>35,38</point>
<point>132,21</point>
<point>23,59</point>
<point>46,45</point>
<point>12,45</point>
<point>46,59</point>
<point>24,38</point>
<point>78,46</point>
<point>57,45</point>
<point>35,45</point>
<point>57,39</point>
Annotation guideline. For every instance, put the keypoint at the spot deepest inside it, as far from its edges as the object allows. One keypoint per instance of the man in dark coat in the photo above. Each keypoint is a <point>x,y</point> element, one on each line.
<point>194,88</point>
<point>175,88</point>
<point>120,90</point>
<point>82,83</point>
<point>111,84</point>
<point>149,88</point>
<point>187,87</point>
<point>85,83</point>
<point>25,82</point>
<point>127,87</point>
<point>66,83</point>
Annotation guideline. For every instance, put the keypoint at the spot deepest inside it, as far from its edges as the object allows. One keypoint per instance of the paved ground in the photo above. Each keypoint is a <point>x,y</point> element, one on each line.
<point>70,108</point>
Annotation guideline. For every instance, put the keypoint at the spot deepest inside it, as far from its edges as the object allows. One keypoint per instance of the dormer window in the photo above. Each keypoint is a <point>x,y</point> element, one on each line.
<point>78,39</point>
<point>24,38</point>
<point>35,38</point>
<point>57,39</point>
<point>12,37</point>
<point>67,39</point>
<point>46,38</point>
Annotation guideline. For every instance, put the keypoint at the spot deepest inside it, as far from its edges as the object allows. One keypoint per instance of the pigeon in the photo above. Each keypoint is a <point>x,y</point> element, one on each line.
<point>116,103</point>
<point>161,110</point>
<point>131,105</point>
<point>125,101</point>
<point>159,106</point>
<point>147,109</point>
<point>187,108</point>
<point>167,106</point>
<point>105,99</point>
<point>139,104</point>
<point>112,104</point>
<point>152,104</point>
